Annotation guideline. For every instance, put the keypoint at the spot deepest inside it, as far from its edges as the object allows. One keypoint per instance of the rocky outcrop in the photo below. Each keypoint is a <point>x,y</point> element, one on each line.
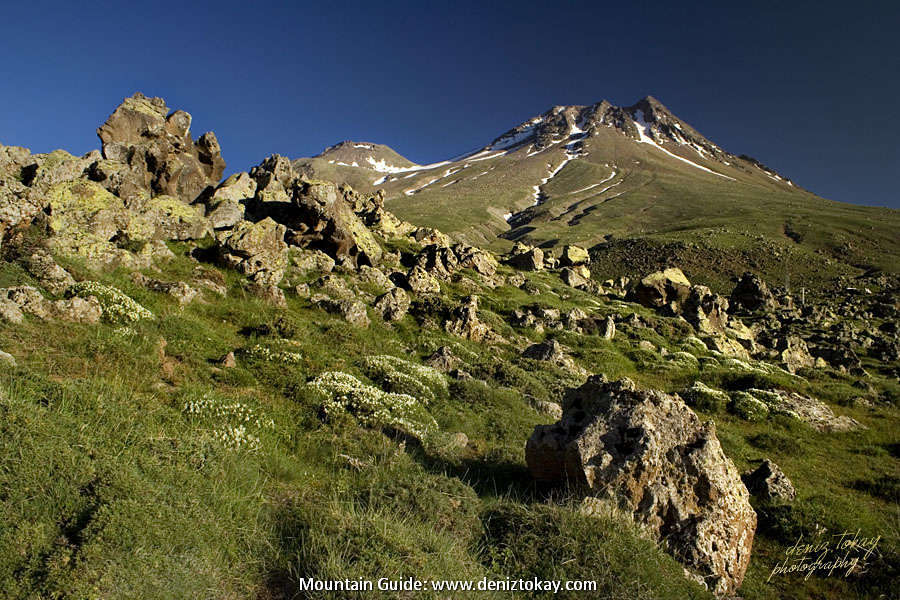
<point>393,305</point>
<point>768,482</point>
<point>811,411</point>
<point>707,312</point>
<point>50,275</point>
<point>251,248</point>
<point>464,321</point>
<point>663,288</point>
<point>573,256</point>
<point>751,294</point>
<point>149,151</point>
<point>526,258</point>
<point>650,453</point>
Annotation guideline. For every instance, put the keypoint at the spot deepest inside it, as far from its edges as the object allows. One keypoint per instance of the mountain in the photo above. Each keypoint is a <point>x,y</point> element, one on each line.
<point>600,174</point>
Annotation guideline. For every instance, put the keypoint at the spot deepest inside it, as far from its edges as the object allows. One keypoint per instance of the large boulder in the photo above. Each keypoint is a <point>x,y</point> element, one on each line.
<point>148,150</point>
<point>706,311</point>
<point>647,451</point>
<point>527,259</point>
<point>751,294</point>
<point>324,219</point>
<point>253,248</point>
<point>663,288</point>
<point>573,256</point>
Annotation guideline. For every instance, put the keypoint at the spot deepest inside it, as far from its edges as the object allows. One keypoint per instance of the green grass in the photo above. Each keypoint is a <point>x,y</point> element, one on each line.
<point>111,489</point>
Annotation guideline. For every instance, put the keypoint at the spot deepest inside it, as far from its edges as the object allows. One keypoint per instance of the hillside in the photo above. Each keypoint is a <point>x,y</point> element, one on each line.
<point>239,388</point>
<point>591,175</point>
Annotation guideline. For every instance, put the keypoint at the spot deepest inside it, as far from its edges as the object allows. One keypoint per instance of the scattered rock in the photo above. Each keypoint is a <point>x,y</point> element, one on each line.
<point>608,328</point>
<point>421,282</point>
<point>663,288</point>
<point>768,482</point>
<point>443,360</point>
<point>574,255</point>
<point>353,311</point>
<point>706,311</point>
<point>51,276</point>
<point>7,359</point>
<point>177,289</point>
<point>548,350</point>
<point>649,452</point>
<point>527,259</point>
<point>464,321</point>
<point>393,305</point>
<point>751,294</point>
<point>228,361</point>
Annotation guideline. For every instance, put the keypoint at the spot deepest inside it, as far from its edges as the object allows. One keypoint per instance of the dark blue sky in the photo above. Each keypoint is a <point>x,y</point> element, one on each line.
<point>808,88</point>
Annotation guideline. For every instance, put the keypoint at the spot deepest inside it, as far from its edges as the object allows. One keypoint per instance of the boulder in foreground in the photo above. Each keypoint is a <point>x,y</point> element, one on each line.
<point>649,452</point>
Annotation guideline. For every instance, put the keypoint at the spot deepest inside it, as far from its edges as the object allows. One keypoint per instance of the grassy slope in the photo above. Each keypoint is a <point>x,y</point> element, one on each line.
<point>661,200</point>
<point>110,490</point>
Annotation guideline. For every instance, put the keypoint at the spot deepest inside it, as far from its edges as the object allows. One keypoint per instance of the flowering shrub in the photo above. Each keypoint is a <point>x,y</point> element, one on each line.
<point>265,353</point>
<point>117,306</point>
<point>403,377</point>
<point>232,422</point>
<point>747,407</point>
<point>343,393</point>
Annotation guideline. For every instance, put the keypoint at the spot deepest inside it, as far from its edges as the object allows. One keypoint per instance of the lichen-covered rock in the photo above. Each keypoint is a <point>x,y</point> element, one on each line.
<point>353,311</point>
<point>574,255</point>
<point>663,288</point>
<point>573,278</point>
<point>77,310</point>
<point>51,276</point>
<point>794,353</point>
<point>254,247</point>
<point>768,482</point>
<point>10,312</point>
<point>812,411</point>
<point>393,305</point>
<point>478,260</point>
<point>648,452</point>
<point>421,282</point>
<point>727,346</point>
<point>153,150</point>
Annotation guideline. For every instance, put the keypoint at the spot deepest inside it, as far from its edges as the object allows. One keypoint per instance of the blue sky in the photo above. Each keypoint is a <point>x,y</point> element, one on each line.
<point>807,88</point>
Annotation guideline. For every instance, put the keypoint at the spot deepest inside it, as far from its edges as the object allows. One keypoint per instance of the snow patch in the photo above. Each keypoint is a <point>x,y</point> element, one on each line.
<point>644,138</point>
